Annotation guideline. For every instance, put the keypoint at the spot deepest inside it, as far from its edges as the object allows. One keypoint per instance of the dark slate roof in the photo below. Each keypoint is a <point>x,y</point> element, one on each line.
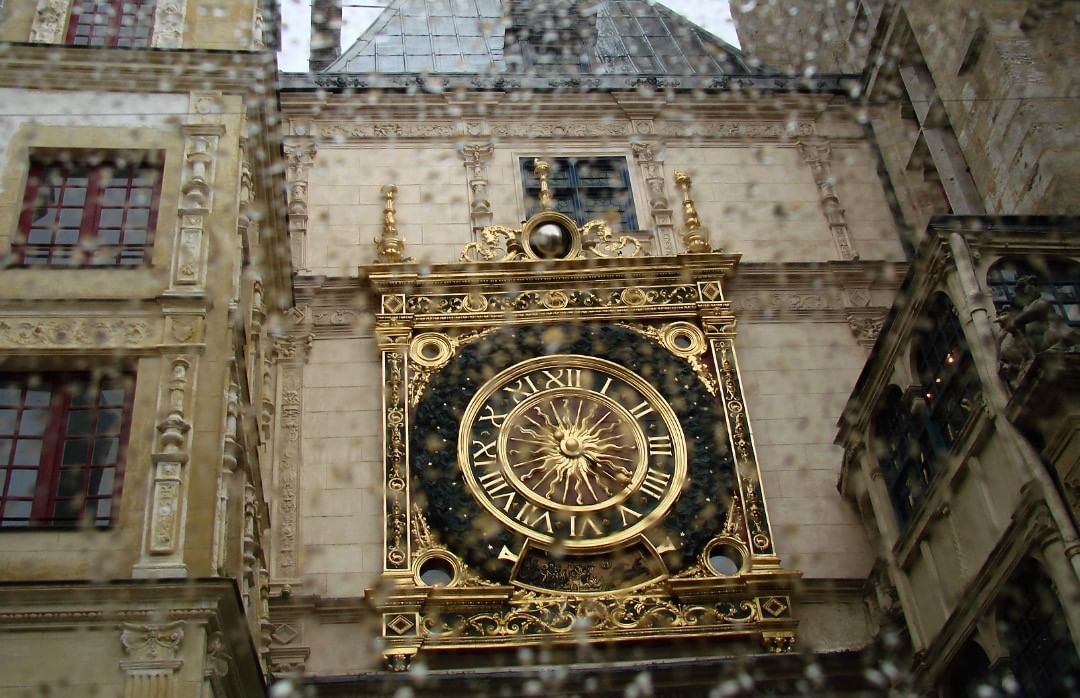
<point>622,37</point>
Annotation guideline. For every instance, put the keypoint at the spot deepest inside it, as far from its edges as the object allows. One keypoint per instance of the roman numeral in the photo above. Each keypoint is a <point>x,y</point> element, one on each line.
<point>528,510</point>
<point>522,389</point>
<point>498,489</point>
<point>495,419</point>
<point>563,378</point>
<point>655,483</point>
<point>625,511</point>
<point>660,446</point>
<point>607,384</point>
<point>579,527</point>
<point>487,450</point>
<point>641,410</point>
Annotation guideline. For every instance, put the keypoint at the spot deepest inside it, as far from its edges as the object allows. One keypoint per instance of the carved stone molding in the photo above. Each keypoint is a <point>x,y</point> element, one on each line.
<point>476,156</point>
<point>649,158</point>
<point>169,24</point>
<point>82,332</point>
<point>299,157</point>
<point>817,153</point>
<point>49,20</point>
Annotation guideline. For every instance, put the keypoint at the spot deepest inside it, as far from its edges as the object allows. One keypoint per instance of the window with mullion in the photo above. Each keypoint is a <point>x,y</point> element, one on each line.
<point>88,215</point>
<point>62,446</point>
<point>111,23</point>
<point>586,188</point>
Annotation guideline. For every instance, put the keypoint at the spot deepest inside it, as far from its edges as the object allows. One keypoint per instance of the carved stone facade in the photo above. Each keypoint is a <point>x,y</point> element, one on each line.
<point>183,509</point>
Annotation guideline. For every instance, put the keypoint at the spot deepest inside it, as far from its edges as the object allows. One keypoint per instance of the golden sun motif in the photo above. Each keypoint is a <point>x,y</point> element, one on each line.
<point>574,450</point>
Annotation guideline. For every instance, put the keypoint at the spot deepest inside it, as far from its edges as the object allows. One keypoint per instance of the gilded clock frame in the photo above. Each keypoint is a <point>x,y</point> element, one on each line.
<point>677,301</point>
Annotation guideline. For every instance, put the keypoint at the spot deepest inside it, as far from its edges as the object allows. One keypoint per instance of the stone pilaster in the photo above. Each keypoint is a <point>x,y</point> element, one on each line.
<point>169,24</point>
<point>650,159</point>
<point>476,157</point>
<point>817,153</point>
<point>162,549</point>
<point>290,353</point>
<point>50,19</point>
<point>300,155</point>
<point>192,244</point>
<point>153,658</point>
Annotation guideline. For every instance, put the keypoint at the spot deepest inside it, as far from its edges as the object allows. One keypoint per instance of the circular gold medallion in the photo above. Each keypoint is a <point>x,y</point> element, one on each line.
<point>572,449</point>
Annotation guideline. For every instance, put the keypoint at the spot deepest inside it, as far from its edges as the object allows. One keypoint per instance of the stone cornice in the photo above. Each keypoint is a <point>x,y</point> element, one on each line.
<point>52,67</point>
<point>759,292</point>
<point>833,84</point>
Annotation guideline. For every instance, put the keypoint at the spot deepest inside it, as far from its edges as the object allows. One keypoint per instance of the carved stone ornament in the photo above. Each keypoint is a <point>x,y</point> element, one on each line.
<point>49,20</point>
<point>149,643</point>
<point>169,24</point>
<point>76,332</point>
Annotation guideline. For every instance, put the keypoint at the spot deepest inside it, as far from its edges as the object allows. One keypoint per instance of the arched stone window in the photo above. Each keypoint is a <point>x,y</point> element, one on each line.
<point>947,374</point>
<point>1032,623</point>
<point>1058,279</point>
<point>906,470</point>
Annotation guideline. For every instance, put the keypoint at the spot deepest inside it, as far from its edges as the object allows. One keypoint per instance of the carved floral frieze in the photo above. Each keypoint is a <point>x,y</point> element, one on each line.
<point>568,128</point>
<point>84,332</point>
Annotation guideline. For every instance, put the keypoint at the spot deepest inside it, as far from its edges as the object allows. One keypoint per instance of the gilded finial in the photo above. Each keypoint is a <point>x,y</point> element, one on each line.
<point>391,246</point>
<point>695,236</point>
<point>541,170</point>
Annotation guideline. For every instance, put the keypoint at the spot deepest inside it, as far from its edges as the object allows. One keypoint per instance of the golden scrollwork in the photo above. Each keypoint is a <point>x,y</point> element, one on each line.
<point>498,243</point>
<point>430,351</point>
<point>539,616</point>
<point>685,341</point>
<point>488,249</point>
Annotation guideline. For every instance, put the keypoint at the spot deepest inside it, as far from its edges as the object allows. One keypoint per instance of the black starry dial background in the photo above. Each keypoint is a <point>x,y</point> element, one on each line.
<point>462,524</point>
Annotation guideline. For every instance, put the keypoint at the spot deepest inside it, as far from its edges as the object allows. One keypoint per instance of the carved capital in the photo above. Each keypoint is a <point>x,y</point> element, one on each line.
<point>152,642</point>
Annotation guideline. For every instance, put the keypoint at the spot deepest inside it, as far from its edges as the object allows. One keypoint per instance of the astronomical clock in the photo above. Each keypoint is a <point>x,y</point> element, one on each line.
<point>568,455</point>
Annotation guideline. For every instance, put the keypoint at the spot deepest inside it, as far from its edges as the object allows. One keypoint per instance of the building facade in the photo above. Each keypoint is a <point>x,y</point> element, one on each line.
<point>143,257</point>
<point>529,348</point>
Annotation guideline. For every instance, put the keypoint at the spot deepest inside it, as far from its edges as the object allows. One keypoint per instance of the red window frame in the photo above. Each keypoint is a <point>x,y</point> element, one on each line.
<point>78,435</point>
<point>111,29</point>
<point>116,207</point>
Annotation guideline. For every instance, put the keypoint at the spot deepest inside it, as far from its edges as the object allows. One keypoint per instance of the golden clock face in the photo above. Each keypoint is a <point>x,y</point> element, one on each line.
<point>572,449</point>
